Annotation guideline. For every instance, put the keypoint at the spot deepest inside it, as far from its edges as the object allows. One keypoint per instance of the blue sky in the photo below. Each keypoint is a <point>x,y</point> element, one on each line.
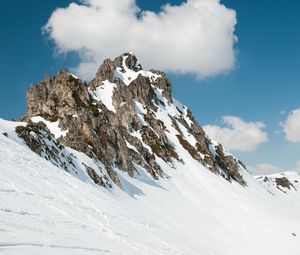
<point>263,86</point>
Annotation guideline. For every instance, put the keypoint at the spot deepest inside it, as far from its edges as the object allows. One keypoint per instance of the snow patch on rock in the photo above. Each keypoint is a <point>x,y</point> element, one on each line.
<point>52,126</point>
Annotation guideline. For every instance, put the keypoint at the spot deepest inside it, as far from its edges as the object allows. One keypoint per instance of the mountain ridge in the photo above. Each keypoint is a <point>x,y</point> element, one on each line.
<point>119,166</point>
<point>119,119</point>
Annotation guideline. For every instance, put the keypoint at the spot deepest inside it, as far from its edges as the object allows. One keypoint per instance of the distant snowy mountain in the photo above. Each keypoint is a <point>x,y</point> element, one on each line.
<point>119,166</point>
<point>285,186</point>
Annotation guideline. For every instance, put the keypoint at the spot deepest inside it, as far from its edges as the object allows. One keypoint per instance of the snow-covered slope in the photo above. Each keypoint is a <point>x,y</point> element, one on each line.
<point>45,210</point>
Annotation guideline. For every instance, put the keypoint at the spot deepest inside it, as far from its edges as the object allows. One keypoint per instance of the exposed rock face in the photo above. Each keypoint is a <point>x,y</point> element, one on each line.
<point>126,117</point>
<point>40,140</point>
<point>101,180</point>
<point>56,96</point>
<point>284,182</point>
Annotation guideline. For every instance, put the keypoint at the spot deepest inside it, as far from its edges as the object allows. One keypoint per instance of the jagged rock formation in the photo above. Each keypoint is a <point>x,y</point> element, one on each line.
<point>126,117</point>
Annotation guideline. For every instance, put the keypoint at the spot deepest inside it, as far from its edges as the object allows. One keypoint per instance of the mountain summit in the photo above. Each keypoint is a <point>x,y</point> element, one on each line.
<point>119,166</point>
<point>126,119</point>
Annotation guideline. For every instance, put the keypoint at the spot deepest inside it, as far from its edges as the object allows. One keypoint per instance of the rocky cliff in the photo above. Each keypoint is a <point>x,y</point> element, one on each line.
<point>124,119</point>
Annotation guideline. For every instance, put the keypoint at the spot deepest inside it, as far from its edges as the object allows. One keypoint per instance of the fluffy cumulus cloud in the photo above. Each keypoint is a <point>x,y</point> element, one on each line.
<point>291,126</point>
<point>194,37</point>
<point>238,135</point>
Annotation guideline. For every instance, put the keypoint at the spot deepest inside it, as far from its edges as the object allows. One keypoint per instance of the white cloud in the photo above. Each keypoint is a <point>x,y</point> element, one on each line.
<point>291,127</point>
<point>297,167</point>
<point>238,135</point>
<point>194,37</point>
<point>265,169</point>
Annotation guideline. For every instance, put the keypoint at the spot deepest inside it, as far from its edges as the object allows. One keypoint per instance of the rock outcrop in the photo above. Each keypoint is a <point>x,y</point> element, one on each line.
<point>280,183</point>
<point>124,118</point>
<point>41,141</point>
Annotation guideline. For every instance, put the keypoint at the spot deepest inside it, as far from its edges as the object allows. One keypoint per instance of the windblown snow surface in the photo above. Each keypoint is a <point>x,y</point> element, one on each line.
<point>45,210</point>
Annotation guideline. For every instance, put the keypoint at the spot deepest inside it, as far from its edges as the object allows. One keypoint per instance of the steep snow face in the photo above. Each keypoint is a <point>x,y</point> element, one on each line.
<point>104,93</point>
<point>45,210</point>
<point>284,186</point>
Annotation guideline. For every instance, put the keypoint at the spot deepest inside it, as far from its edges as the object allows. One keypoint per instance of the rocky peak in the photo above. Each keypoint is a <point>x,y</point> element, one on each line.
<point>124,71</point>
<point>54,96</point>
<point>126,119</point>
<point>108,68</point>
<point>130,60</point>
